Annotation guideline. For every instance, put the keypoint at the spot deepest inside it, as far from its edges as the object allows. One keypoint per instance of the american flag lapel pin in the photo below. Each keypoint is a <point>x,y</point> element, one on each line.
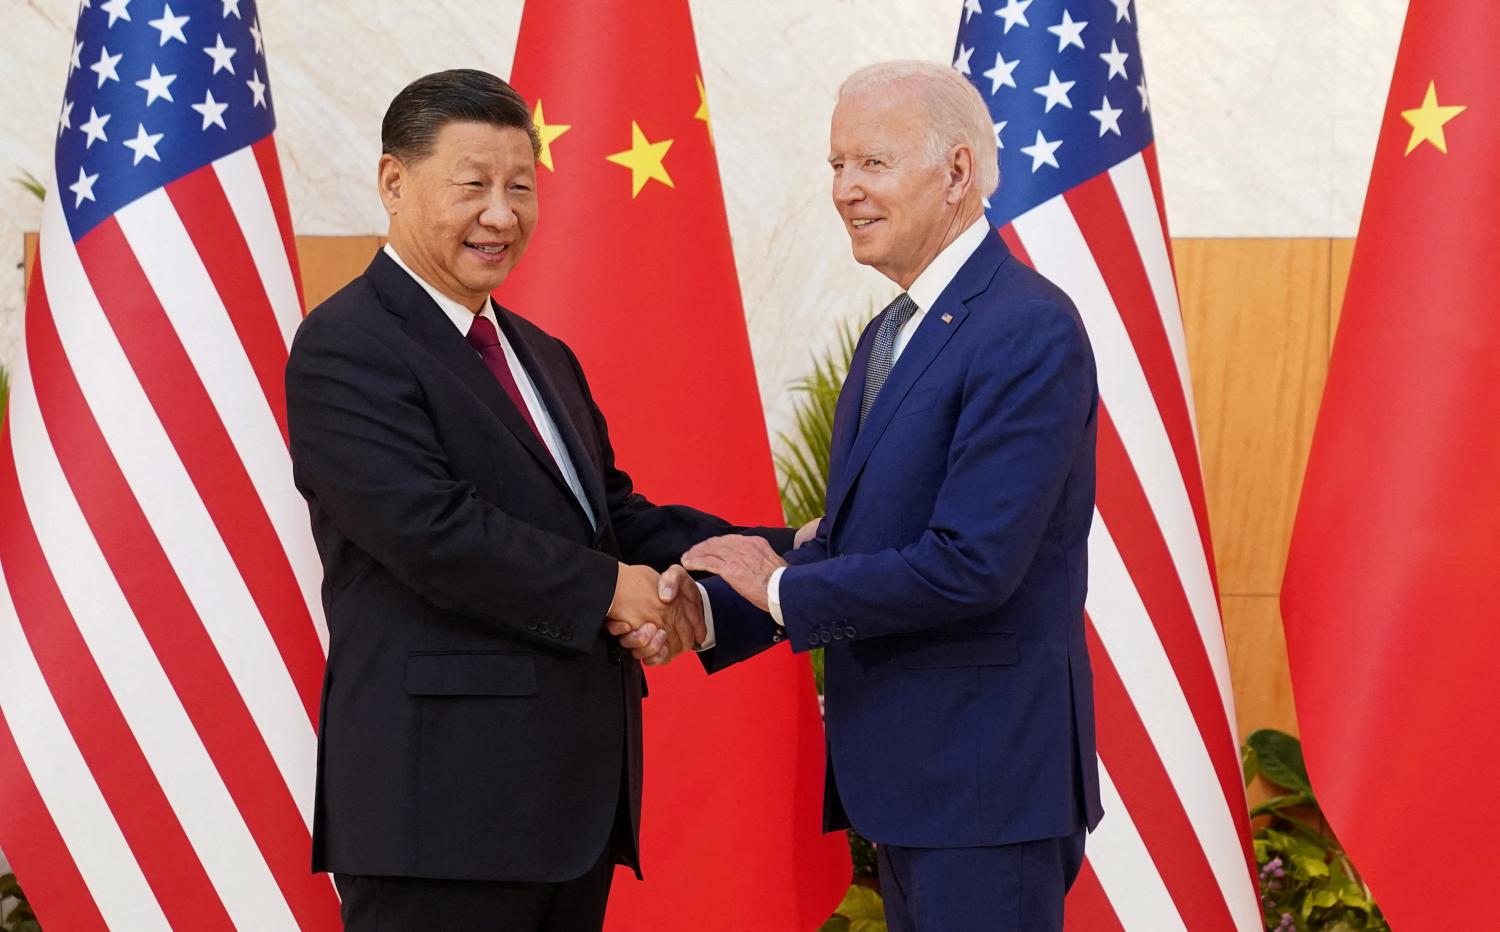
<point>947,318</point>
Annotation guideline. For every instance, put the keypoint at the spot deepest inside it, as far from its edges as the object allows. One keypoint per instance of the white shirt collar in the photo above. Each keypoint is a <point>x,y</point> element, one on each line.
<point>462,317</point>
<point>940,272</point>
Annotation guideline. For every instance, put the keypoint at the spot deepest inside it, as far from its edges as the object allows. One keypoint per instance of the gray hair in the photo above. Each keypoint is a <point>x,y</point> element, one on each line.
<point>956,114</point>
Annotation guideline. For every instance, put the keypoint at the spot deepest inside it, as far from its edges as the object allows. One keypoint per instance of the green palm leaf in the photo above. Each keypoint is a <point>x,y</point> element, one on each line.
<point>802,458</point>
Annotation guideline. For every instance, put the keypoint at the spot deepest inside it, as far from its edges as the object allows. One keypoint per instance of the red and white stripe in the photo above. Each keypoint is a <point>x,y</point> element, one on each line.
<point>161,629</point>
<point>1173,850</point>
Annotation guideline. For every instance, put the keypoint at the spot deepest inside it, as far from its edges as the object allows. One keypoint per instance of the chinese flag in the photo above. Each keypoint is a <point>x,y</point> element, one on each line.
<point>1391,586</point>
<point>631,265</point>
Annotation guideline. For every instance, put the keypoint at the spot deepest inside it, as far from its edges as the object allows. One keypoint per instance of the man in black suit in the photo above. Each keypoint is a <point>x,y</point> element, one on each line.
<point>479,755</point>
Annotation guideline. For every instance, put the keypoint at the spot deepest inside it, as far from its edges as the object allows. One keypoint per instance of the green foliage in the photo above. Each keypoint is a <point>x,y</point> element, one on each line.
<point>862,853</point>
<point>4,394</point>
<point>1307,882</point>
<point>30,183</point>
<point>861,911</point>
<point>20,918</point>
<point>803,460</point>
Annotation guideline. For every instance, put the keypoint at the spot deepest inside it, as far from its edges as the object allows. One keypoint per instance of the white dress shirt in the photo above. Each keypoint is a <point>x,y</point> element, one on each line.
<point>463,319</point>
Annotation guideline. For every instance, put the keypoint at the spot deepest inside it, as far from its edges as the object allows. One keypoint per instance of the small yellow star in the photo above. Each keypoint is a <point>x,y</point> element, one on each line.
<point>548,133</point>
<point>1427,121</point>
<point>702,113</point>
<point>644,159</point>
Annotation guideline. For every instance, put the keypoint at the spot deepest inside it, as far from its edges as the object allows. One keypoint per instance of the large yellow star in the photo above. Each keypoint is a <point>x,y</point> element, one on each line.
<point>644,159</point>
<point>702,113</point>
<point>548,132</point>
<point>1427,121</point>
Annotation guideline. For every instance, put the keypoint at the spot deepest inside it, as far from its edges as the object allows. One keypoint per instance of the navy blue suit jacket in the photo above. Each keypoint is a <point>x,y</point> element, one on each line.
<point>947,578</point>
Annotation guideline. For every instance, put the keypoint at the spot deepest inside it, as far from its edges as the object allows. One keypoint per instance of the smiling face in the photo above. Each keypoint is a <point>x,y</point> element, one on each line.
<point>897,206</point>
<point>462,215</point>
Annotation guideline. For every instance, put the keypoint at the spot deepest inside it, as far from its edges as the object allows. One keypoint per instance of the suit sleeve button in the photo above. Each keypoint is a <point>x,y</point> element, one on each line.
<point>812,639</point>
<point>825,637</point>
<point>849,631</point>
<point>838,634</point>
<point>531,626</point>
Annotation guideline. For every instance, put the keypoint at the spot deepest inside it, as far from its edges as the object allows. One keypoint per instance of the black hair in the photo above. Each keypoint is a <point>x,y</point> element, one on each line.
<point>462,95</point>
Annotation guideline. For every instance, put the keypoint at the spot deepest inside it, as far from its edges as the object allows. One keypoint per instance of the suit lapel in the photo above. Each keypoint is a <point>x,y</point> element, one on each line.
<point>431,329</point>
<point>846,419</point>
<point>941,324</point>
<point>547,386</point>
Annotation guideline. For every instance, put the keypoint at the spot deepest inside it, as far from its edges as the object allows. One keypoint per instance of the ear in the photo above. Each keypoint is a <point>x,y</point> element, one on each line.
<point>391,177</point>
<point>960,173</point>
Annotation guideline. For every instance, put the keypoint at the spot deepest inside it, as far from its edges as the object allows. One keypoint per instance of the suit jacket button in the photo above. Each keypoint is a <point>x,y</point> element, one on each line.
<point>849,631</point>
<point>778,636</point>
<point>614,655</point>
<point>825,637</point>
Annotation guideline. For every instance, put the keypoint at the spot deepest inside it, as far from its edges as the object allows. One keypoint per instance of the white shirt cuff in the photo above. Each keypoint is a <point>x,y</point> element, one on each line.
<point>708,619</point>
<point>773,595</point>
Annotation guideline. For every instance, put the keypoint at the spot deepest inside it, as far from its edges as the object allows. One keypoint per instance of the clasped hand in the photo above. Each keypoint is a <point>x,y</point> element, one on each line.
<point>656,617</point>
<point>746,563</point>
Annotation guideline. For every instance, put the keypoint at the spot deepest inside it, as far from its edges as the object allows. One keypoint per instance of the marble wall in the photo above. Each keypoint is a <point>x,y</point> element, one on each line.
<point>1266,116</point>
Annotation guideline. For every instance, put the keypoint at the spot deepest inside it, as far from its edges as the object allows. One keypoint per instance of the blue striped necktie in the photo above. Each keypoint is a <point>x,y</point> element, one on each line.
<point>892,319</point>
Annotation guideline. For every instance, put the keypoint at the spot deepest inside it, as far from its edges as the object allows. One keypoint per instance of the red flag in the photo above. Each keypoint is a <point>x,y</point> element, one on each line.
<point>1391,578</point>
<point>631,265</point>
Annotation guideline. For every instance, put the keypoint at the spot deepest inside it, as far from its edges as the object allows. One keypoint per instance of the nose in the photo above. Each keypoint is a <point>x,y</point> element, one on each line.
<point>846,190</point>
<point>498,212</point>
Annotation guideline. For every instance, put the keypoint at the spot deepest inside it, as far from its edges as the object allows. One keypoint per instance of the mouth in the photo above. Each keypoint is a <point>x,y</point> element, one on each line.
<point>864,223</point>
<point>488,252</point>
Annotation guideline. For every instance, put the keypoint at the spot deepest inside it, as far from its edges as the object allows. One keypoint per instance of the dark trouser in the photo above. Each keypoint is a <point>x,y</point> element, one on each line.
<point>405,904</point>
<point>1008,888</point>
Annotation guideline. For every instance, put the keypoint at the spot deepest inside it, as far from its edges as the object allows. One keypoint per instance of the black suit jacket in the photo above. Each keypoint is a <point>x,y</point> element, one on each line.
<point>476,722</point>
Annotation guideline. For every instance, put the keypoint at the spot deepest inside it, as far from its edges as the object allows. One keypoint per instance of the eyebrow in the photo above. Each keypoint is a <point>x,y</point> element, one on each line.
<point>859,155</point>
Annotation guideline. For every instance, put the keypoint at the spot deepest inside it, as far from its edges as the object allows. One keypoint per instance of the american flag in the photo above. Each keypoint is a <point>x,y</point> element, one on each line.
<point>161,635</point>
<point>1080,201</point>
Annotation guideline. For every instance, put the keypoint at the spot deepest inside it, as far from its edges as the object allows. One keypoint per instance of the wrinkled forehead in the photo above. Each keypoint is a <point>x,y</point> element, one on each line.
<point>884,119</point>
<point>480,146</point>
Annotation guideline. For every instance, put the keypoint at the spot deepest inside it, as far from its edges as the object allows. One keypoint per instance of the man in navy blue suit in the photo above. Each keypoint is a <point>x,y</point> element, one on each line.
<point>946,581</point>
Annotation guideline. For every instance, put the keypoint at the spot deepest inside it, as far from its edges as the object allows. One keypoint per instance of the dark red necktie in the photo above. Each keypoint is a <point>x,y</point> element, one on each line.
<point>484,338</point>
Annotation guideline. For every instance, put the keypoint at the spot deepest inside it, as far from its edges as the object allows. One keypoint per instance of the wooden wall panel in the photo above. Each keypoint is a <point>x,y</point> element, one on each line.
<point>1257,662</point>
<point>1256,315</point>
<point>330,262</point>
<point>1343,254</point>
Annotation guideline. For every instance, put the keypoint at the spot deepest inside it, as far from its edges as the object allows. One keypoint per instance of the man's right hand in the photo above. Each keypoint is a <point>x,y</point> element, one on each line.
<point>655,617</point>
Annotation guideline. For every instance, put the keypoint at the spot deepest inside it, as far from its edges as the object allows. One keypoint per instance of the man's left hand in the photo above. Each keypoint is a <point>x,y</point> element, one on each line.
<point>746,563</point>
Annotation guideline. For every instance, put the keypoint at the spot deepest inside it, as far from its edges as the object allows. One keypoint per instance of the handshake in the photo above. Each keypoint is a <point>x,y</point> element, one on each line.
<point>656,617</point>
